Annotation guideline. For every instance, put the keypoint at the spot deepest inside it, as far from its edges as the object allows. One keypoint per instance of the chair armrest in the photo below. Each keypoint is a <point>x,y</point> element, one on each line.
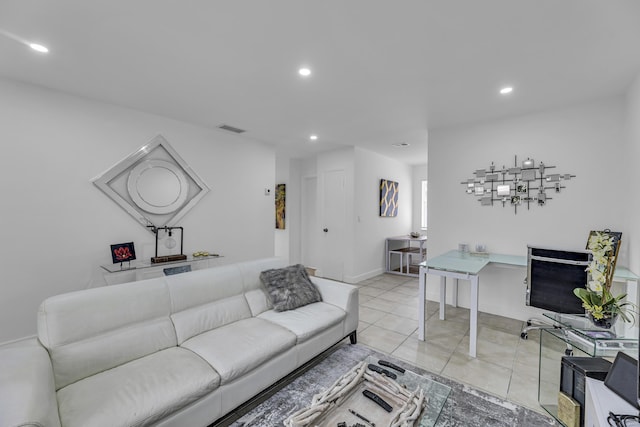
<point>343,296</point>
<point>27,389</point>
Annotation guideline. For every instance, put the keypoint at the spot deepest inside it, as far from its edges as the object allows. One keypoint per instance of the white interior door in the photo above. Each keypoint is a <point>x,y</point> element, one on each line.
<point>310,229</point>
<point>333,225</point>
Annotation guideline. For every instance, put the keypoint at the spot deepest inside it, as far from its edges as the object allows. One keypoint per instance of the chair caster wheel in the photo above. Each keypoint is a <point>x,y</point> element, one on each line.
<point>568,352</point>
<point>524,335</point>
<point>528,323</point>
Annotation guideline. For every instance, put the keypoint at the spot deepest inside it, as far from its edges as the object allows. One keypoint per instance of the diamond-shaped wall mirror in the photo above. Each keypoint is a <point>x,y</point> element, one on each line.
<point>154,185</point>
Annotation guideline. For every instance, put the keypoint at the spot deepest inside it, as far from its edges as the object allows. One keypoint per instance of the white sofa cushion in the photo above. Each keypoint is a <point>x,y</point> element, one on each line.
<point>90,331</point>
<point>258,301</point>
<point>138,393</point>
<point>308,320</point>
<point>78,360</point>
<point>240,347</point>
<point>196,320</point>
<point>203,286</point>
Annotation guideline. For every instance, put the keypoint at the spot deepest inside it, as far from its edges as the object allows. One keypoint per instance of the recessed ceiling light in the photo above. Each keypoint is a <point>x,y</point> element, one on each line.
<point>506,90</point>
<point>38,47</point>
<point>305,72</point>
<point>313,137</point>
<point>401,144</point>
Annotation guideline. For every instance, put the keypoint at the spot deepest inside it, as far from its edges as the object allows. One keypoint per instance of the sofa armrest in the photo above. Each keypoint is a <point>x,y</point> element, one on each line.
<point>343,296</point>
<point>27,389</point>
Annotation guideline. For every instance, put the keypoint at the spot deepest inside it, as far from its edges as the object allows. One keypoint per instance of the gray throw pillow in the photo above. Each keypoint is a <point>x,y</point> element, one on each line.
<point>290,287</point>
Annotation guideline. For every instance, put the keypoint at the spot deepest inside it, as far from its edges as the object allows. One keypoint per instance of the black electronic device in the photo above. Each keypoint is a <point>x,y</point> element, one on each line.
<point>391,365</point>
<point>378,369</point>
<point>622,378</point>
<point>377,399</point>
<point>573,372</point>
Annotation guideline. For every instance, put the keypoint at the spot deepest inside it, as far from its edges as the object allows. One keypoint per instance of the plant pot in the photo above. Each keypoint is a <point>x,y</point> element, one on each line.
<point>605,322</point>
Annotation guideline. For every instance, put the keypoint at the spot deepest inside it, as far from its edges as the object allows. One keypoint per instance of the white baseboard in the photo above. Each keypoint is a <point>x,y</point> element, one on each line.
<point>364,276</point>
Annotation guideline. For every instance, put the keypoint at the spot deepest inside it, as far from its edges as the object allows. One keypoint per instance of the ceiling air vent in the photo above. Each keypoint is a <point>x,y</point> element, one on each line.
<point>231,129</point>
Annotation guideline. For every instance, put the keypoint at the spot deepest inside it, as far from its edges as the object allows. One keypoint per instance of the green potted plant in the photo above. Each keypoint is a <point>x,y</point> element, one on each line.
<point>602,307</point>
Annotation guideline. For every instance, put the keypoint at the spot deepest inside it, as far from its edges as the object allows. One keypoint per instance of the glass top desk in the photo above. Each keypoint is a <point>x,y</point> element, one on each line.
<point>459,265</point>
<point>467,266</point>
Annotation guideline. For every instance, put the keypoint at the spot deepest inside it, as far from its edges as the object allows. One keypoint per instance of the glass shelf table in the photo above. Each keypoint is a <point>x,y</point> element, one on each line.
<point>575,335</point>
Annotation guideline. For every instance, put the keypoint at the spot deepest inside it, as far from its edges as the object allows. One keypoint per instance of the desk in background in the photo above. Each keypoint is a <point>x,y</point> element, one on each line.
<point>467,266</point>
<point>406,248</point>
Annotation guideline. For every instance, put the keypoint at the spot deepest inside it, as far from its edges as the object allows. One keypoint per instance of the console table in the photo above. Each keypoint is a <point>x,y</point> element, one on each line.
<point>140,270</point>
<point>467,266</point>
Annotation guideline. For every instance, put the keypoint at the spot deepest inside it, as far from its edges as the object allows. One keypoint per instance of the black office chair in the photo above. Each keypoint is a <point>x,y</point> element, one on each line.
<point>552,275</point>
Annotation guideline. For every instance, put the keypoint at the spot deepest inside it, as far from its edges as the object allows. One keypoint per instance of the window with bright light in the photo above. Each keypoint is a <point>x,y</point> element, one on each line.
<point>423,222</point>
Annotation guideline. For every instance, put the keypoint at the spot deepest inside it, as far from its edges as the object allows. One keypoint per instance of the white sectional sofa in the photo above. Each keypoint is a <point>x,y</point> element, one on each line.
<point>180,350</point>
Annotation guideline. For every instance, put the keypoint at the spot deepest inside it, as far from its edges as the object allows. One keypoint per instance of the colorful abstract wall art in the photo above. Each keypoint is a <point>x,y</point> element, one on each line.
<point>122,252</point>
<point>281,193</point>
<point>388,198</point>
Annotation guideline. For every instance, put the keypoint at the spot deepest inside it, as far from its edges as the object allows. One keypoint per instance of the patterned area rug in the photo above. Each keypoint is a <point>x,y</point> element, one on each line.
<point>465,406</point>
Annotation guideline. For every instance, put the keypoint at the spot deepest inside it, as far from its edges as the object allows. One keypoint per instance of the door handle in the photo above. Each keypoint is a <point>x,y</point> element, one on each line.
<point>325,230</point>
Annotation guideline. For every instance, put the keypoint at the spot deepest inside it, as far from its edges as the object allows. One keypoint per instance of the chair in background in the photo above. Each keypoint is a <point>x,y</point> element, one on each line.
<point>552,275</point>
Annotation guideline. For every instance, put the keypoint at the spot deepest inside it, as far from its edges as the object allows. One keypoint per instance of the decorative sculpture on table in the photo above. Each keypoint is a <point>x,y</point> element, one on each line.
<point>408,405</point>
<point>516,186</point>
<point>169,243</point>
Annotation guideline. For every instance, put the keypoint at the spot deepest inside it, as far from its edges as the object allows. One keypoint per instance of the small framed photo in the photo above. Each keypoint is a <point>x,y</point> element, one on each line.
<point>515,200</point>
<point>521,187</point>
<point>123,252</point>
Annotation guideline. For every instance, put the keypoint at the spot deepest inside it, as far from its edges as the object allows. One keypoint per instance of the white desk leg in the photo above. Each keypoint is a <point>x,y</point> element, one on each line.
<point>473,321</point>
<point>386,251</point>
<point>422,295</point>
<point>443,295</point>
<point>454,297</point>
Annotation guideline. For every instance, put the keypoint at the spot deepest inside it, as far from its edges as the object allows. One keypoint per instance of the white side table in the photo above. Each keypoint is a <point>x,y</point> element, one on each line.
<point>599,401</point>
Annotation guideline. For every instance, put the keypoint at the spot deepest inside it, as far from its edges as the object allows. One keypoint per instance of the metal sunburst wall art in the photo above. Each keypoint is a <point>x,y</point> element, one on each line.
<point>522,185</point>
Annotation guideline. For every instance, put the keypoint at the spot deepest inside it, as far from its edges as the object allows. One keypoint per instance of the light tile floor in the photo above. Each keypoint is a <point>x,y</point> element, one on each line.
<point>506,366</point>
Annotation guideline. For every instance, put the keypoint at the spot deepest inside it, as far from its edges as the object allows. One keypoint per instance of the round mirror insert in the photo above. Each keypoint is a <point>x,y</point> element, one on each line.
<point>157,186</point>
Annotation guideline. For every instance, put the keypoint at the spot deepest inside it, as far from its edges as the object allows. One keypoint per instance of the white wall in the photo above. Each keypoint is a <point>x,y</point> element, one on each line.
<point>631,160</point>
<point>299,171</point>
<point>58,226</point>
<point>371,229</point>
<point>366,230</point>
<point>282,236</point>
<point>586,140</point>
